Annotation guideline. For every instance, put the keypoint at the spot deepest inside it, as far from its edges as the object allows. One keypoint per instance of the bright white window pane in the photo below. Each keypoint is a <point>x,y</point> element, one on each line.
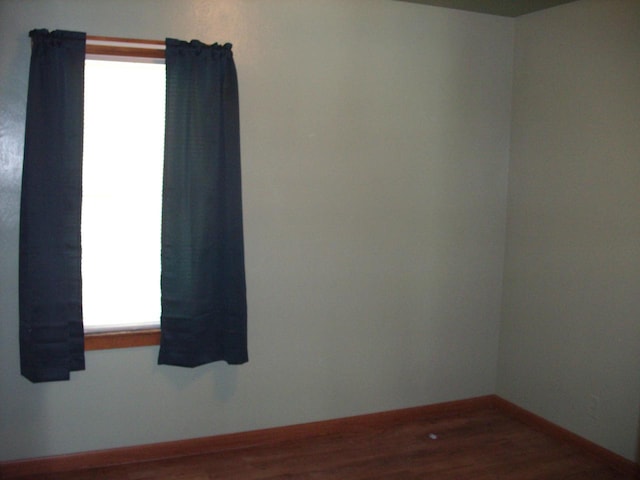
<point>122,194</point>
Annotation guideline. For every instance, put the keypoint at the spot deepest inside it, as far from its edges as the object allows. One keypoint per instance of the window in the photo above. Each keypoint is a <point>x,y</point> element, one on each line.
<point>122,194</point>
<point>124,101</point>
<point>204,306</point>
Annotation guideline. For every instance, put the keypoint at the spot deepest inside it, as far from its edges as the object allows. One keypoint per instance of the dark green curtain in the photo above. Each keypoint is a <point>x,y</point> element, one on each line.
<point>51,332</point>
<point>204,310</point>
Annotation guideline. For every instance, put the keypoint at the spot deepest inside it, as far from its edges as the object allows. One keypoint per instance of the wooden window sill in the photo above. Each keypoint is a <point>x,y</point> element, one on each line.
<point>126,339</point>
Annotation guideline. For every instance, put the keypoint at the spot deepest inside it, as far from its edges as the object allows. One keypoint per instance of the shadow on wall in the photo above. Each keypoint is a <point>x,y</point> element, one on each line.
<point>638,443</point>
<point>22,404</point>
<point>23,410</point>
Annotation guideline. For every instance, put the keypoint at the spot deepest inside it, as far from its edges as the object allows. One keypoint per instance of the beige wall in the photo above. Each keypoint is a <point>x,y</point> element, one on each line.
<point>375,142</point>
<point>570,335</point>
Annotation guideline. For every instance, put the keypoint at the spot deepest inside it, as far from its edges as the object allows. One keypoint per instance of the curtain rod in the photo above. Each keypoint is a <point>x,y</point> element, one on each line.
<point>113,46</point>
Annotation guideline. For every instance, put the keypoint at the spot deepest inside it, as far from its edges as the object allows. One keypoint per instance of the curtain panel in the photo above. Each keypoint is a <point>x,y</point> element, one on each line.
<point>50,298</point>
<point>204,309</point>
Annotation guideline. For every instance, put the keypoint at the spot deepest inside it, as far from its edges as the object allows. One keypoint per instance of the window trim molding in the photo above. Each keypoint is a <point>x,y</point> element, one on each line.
<point>121,339</point>
<point>120,47</point>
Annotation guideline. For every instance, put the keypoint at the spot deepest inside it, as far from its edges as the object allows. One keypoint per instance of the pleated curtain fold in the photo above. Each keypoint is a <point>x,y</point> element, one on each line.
<point>50,298</point>
<point>204,308</point>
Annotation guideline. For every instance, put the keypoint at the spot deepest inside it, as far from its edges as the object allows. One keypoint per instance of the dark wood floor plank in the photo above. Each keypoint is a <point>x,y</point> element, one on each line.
<point>481,445</point>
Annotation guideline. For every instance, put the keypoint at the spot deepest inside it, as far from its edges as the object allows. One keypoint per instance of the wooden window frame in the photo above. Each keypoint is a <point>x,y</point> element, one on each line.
<point>121,339</point>
<point>132,48</point>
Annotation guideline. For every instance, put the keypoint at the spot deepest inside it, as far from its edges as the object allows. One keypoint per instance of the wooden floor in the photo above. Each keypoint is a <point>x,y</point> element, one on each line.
<point>481,445</point>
